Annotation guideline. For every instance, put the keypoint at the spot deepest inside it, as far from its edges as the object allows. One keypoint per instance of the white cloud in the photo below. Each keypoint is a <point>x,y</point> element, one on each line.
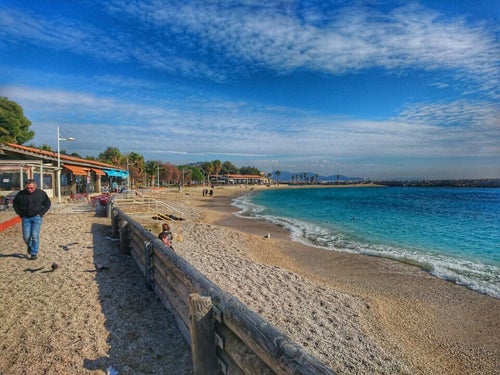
<point>151,129</point>
<point>60,34</point>
<point>219,40</point>
<point>209,39</point>
<point>284,38</point>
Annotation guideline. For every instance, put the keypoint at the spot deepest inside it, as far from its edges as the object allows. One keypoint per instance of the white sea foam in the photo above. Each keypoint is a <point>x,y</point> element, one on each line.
<point>474,275</point>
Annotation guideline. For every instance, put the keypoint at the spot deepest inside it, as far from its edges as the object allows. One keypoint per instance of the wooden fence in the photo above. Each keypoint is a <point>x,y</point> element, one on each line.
<point>225,336</point>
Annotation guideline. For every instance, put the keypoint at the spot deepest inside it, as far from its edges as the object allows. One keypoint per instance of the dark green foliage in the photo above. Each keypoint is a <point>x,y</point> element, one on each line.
<point>249,170</point>
<point>196,174</point>
<point>14,126</point>
<point>111,155</point>
<point>228,168</point>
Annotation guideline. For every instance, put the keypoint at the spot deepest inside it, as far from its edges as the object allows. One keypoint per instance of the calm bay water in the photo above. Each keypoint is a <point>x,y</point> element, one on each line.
<point>453,233</point>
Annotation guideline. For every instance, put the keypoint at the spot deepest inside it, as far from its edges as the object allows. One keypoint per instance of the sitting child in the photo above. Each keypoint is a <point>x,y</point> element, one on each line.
<point>166,235</point>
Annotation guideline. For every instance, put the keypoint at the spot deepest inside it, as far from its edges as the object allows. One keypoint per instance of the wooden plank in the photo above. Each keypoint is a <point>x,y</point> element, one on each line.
<point>277,350</point>
<point>137,246</point>
<point>138,257</point>
<point>175,279</point>
<point>139,262</point>
<point>161,216</point>
<point>226,366</point>
<point>137,250</point>
<point>184,271</point>
<point>173,283</point>
<point>136,238</point>
<point>181,324</point>
<point>242,355</point>
<point>179,308</point>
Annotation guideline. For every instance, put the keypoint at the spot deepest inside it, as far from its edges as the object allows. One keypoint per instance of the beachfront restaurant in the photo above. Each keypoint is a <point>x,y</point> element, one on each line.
<point>74,177</point>
<point>239,179</point>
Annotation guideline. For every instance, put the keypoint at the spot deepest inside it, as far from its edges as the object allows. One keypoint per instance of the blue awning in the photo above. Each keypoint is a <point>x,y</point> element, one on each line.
<point>116,173</point>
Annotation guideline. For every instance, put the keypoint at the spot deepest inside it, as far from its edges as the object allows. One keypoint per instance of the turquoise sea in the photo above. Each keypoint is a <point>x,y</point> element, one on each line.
<point>453,233</point>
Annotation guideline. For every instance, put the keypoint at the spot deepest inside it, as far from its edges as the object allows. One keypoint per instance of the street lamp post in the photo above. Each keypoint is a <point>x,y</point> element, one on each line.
<point>158,173</point>
<point>59,139</point>
<point>128,176</point>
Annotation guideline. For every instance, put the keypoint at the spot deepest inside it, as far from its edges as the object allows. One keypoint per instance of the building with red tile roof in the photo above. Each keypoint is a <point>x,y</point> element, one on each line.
<point>75,175</point>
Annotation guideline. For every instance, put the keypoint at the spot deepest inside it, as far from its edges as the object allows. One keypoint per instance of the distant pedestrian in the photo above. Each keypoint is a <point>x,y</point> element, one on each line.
<point>31,204</point>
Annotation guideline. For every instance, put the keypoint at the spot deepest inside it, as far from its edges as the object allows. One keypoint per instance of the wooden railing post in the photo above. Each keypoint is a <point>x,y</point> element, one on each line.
<point>148,264</point>
<point>109,207</point>
<point>202,335</point>
<point>115,221</point>
<point>124,237</point>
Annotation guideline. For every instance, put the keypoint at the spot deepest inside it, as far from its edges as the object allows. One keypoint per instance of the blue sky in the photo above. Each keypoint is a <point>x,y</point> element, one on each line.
<point>376,89</point>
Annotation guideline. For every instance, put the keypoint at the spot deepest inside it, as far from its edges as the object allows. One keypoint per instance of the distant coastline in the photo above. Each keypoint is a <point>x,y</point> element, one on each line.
<point>486,183</point>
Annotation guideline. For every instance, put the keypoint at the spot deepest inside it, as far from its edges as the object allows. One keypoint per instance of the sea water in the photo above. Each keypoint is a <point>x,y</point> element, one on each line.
<point>453,233</point>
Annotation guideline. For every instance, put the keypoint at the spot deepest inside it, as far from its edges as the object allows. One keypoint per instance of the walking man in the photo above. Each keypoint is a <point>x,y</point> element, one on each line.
<point>31,204</point>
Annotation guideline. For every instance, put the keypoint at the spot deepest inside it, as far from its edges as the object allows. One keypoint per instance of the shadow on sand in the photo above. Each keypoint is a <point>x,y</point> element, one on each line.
<point>143,336</point>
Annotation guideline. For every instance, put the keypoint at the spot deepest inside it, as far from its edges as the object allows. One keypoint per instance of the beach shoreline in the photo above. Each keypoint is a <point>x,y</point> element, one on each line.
<point>357,314</point>
<point>435,325</point>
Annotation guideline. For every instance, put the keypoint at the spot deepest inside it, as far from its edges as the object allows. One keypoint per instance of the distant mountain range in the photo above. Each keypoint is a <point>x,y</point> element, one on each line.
<point>287,177</point>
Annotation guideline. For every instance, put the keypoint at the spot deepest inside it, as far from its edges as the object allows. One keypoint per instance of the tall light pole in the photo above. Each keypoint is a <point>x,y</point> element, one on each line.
<point>59,139</point>
<point>128,176</point>
<point>158,166</point>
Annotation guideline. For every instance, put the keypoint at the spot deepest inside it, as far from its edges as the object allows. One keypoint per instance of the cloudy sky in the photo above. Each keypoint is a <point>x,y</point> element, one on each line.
<point>378,89</point>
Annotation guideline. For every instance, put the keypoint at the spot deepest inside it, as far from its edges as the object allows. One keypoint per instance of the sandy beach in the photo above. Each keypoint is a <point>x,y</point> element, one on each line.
<point>77,320</point>
<point>358,314</point>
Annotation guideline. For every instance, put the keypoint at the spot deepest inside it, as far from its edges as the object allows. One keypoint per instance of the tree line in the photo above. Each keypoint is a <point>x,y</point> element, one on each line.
<point>14,128</point>
<point>157,173</point>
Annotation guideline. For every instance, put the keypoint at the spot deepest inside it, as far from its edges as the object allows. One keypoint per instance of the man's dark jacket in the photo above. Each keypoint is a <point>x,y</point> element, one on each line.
<point>31,204</point>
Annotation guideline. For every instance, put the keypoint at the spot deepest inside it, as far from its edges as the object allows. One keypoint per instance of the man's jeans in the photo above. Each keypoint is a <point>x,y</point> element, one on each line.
<point>31,232</point>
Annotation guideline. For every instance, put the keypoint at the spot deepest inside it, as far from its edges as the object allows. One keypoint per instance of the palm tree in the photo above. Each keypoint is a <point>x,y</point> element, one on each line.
<point>277,173</point>
<point>152,168</point>
<point>208,169</point>
<point>217,167</point>
<point>137,166</point>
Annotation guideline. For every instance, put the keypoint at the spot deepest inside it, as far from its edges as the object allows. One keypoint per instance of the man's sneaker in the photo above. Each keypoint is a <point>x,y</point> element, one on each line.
<point>33,257</point>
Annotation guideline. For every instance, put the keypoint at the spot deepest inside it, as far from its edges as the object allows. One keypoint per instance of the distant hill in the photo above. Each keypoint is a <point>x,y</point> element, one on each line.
<point>287,177</point>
